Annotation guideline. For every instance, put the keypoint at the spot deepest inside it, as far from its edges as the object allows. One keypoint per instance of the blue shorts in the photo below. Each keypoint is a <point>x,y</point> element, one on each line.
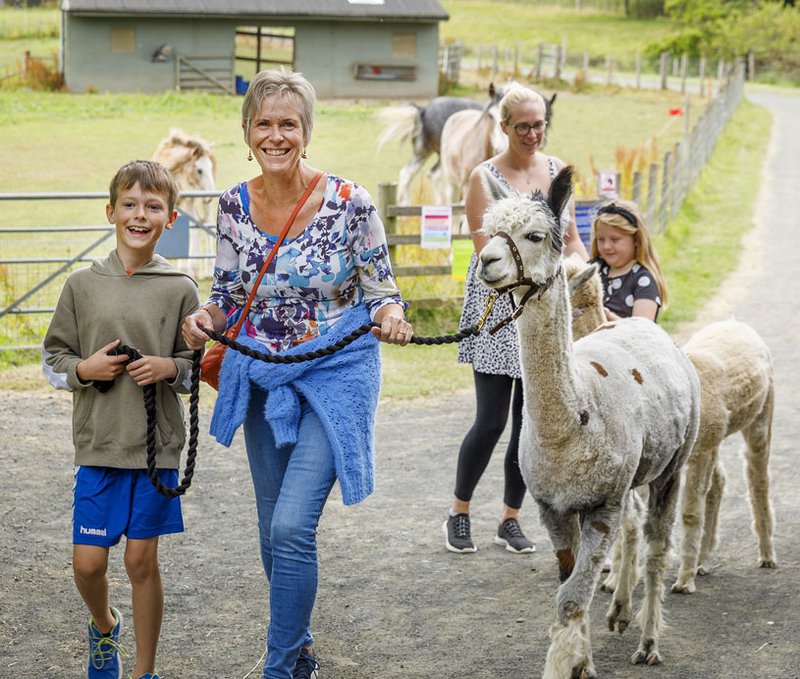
<point>109,503</point>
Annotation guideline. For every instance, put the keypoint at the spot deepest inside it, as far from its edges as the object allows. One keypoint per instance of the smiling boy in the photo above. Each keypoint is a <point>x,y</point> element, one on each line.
<point>135,297</point>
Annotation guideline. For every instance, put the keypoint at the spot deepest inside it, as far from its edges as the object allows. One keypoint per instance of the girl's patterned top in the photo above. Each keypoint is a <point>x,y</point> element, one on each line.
<point>339,261</point>
<point>621,292</point>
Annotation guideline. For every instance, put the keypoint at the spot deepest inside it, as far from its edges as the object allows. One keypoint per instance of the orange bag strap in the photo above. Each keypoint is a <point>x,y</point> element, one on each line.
<point>235,329</point>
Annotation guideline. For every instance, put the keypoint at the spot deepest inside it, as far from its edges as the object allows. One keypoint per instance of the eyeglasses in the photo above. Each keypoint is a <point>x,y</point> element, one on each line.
<point>524,129</point>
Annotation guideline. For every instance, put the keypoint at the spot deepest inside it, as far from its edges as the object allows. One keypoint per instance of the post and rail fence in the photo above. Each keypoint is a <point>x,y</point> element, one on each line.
<point>30,284</point>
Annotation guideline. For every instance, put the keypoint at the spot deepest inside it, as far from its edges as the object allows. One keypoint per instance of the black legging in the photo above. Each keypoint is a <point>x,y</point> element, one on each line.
<point>493,396</point>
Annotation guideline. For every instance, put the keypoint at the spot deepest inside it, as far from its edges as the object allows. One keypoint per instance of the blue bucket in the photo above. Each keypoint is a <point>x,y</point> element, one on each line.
<point>241,85</point>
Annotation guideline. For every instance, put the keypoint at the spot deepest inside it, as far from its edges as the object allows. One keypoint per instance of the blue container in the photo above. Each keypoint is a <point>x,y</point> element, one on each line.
<point>241,85</point>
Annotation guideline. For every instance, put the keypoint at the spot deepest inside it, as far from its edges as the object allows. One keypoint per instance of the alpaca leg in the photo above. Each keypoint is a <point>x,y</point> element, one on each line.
<point>612,579</point>
<point>697,483</point>
<point>713,502</point>
<point>658,531</point>
<point>620,610</point>
<point>570,653</point>
<point>758,436</point>
<point>564,533</point>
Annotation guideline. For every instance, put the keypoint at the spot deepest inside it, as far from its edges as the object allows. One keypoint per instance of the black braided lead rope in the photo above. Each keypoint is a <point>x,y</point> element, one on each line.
<point>333,348</point>
<point>194,393</point>
<point>150,410</point>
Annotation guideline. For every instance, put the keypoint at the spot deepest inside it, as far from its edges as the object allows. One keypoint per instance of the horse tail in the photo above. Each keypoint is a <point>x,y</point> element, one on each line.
<point>399,121</point>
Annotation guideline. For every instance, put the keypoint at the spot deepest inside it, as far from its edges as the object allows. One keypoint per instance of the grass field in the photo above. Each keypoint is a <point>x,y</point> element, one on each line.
<point>75,142</point>
<point>525,25</point>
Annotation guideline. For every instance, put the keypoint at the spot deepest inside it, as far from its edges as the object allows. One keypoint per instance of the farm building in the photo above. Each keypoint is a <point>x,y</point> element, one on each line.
<point>346,48</point>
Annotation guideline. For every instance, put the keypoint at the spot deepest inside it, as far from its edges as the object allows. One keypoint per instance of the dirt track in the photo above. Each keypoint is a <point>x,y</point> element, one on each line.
<point>392,601</point>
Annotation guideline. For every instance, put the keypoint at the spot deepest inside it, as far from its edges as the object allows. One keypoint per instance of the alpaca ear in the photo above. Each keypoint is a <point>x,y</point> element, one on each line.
<point>493,189</point>
<point>492,91</point>
<point>560,191</point>
<point>580,279</point>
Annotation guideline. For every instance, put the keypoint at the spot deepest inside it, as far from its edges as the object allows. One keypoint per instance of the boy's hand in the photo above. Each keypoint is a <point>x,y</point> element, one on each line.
<point>152,369</point>
<point>101,366</point>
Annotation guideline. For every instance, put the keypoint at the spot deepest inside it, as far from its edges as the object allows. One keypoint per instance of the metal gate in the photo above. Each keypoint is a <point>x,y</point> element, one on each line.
<point>36,260</point>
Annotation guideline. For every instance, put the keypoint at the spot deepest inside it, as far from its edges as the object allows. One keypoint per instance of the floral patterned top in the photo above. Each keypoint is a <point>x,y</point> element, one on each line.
<point>339,261</point>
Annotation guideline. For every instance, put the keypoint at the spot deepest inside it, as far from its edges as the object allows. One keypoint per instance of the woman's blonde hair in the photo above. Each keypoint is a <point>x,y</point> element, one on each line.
<point>286,83</point>
<point>518,94</point>
<point>625,217</point>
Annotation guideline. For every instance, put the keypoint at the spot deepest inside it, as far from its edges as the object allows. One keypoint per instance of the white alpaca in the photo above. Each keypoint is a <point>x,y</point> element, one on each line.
<point>738,394</point>
<point>617,409</point>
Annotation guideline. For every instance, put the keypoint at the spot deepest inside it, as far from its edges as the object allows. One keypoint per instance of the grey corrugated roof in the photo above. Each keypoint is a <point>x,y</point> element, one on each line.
<point>309,9</point>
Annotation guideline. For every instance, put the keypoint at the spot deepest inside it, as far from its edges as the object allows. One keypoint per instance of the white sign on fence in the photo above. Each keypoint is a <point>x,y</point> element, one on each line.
<point>436,226</point>
<point>608,184</point>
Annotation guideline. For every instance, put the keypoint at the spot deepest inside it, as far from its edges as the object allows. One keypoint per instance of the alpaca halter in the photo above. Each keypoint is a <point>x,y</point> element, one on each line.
<point>533,286</point>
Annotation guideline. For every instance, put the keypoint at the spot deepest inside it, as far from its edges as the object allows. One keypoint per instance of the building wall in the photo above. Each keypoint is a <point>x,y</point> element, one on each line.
<point>328,54</point>
<point>114,55</point>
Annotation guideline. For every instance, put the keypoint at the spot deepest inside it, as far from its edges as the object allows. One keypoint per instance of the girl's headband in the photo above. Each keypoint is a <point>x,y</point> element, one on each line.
<point>621,211</point>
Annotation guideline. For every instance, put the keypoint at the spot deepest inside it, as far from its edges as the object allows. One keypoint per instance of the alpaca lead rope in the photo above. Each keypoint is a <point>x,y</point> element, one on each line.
<point>149,394</point>
<point>194,392</point>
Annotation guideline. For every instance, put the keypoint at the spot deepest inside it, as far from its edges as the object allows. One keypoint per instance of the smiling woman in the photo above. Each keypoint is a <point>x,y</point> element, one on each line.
<point>312,271</point>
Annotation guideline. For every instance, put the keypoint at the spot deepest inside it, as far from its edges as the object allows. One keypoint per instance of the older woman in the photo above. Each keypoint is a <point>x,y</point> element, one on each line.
<point>305,424</point>
<point>495,358</point>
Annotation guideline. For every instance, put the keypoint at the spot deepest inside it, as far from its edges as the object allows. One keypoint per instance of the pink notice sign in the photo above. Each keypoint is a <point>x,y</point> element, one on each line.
<point>435,226</point>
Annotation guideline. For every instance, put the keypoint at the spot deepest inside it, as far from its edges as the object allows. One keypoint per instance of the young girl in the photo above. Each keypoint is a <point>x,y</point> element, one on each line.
<point>629,268</point>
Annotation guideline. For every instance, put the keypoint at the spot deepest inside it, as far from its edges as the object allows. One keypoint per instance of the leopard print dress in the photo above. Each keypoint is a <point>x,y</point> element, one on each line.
<point>496,354</point>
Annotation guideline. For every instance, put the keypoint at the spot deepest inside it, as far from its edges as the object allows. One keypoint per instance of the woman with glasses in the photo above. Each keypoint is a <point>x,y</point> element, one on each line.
<point>523,167</point>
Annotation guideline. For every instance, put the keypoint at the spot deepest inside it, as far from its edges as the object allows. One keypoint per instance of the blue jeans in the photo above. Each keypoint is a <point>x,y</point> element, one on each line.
<point>292,485</point>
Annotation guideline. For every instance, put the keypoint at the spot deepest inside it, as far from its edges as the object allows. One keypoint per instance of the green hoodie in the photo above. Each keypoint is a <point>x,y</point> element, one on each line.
<point>145,311</point>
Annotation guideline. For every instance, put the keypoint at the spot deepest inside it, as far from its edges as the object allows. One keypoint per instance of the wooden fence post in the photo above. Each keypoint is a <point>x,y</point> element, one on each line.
<point>586,66</point>
<point>652,181</point>
<point>665,177</point>
<point>557,64</point>
<point>636,189</point>
<point>638,70</point>
<point>387,195</point>
<point>609,69</point>
<point>702,73</point>
<point>684,60</point>
<point>539,54</point>
<point>677,180</point>
<point>751,65</point>
<point>662,69</point>
<point>494,61</point>
<point>516,60</point>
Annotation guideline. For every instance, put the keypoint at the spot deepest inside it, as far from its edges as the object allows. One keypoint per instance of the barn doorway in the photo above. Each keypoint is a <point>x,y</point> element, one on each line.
<point>260,47</point>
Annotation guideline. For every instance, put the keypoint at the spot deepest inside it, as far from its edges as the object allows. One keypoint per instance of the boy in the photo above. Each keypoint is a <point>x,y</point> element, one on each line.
<point>135,297</point>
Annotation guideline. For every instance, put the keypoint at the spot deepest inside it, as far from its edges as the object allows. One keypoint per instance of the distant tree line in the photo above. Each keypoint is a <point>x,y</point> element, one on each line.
<point>725,29</point>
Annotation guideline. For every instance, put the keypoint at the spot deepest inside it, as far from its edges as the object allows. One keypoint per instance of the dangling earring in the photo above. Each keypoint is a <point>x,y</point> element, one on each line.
<point>304,154</point>
<point>249,154</point>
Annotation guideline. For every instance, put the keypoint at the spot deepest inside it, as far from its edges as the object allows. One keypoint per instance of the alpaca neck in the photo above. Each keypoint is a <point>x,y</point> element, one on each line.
<point>552,393</point>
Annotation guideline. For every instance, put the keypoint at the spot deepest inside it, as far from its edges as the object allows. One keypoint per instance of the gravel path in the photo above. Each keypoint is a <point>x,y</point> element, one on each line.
<point>392,601</point>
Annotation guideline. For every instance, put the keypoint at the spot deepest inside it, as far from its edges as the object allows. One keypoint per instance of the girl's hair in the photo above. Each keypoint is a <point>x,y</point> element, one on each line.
<point>624,216</point>
<point>287,84</point>
<point>151,176</point>
<point>518,94</point>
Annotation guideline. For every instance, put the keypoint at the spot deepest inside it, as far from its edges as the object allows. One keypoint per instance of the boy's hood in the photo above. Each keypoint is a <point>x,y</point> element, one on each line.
<point>112,266</point>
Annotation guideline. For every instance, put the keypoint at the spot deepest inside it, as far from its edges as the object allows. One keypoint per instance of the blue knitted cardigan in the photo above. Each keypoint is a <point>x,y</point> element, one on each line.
<point>342,389</point>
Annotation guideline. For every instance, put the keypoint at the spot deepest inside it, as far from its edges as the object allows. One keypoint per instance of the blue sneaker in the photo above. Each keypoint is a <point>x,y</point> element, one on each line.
<point>104,650</point>
<point>147,675</point>
<point>306,666</point>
